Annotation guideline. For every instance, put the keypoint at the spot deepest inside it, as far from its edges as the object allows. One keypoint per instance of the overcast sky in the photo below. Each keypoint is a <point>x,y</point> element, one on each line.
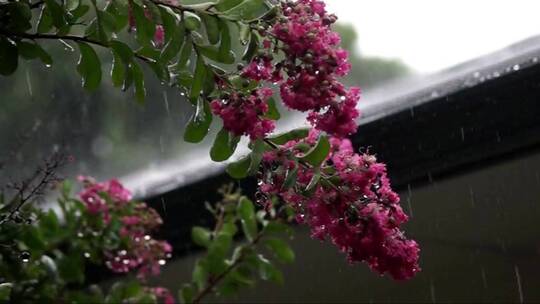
<point>430,35</point>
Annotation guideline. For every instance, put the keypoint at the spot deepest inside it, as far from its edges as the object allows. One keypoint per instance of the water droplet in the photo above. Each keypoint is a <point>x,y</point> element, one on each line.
<point>147,237</point>
<point>342,98</point>
<point>48,65</point>
<point>87,255</point>
<point>123,252</point>
<point>162,262</point>
<point>476,74</point>
<point>125,262</point>
<point>80,234</point>
<point>25,256</point>
<point>515,67</point>
<point>535,60</point>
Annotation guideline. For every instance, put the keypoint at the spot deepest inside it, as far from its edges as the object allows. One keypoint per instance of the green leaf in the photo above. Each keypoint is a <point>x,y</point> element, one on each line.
<point>89,67</point>
<point>267,271</point>
<point>8,57</point>
<point>198,79</point>
<point>145,27</point>
<point>186,293</point>
<point>318,153</point>
<point>246,210</point>
<point>225,5</point>
<point>198,126</point>
<point>314,180</point>
<point>138,81</point>
<point>122,50</point>
<point>281,249</point>
<point>71,5</point>
<point>239,169</point>
<point>224,146</point>
<point>57,13</point>
<point>225,44</point>
<point>201,236</point>
<point>29,50</point>
<point>200,274</point>
<point>248,10</point>
<point>173,47</point>
<point>185,54</point>
<point>211,23</point>
<point>274,227</point>
<point>252,48</point>
<point>5,292</point>
<point>273,112</point>
<point>284,138</point>
<point>256,156</point>
<point>213,52</point>
<point>217,253</point>
<point>290,178</point>
<point>192,21</point>
<point>45,21</point>
<point>118,71</point>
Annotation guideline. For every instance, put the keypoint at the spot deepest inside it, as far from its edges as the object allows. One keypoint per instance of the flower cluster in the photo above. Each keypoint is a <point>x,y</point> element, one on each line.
<point>313,62</point>
<point>114,213</point>
<point>352,204</point>
<point>244,114</point>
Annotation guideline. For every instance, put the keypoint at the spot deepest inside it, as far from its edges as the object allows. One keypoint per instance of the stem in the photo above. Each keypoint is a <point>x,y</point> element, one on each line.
<point>67,37</point>
<point>305,165</point>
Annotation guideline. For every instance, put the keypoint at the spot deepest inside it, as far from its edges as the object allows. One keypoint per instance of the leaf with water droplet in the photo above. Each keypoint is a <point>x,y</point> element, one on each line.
<point>198,126</point>
<point>89,66</point>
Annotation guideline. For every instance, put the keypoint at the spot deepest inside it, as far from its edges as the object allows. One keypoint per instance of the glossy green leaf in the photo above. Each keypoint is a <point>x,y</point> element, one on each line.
<point>211,24</point>
<point>290,178</point>
<point>198,127</point>
<point>72,5</point>
<point>225,5</point>
<point>213,52</point>
<point>240,168</point>
<point>145,27</point>
<point>185,54</point>
<point>57,13</point>
<point>138,81</point>
<point>45,22</point>
<point>89,67</point>
<point>29,50</point>
<point>174,45</point>
<point>246,210</point>
<point>224,146</point>
<point>122,50</point>
<point>281,249</point>
<point>256,156</point>
<point>273,112</point>
<point>248,10</point>
<point>118,71</point>
<point>252,48</point>
<point>201,236</point>
<point>8,57</point>
<point>275,227</point>
<point>198,80</point>
<point>225,43</point>
<point>318,153</point>
<point>284,138</point>
<point>192,21</point>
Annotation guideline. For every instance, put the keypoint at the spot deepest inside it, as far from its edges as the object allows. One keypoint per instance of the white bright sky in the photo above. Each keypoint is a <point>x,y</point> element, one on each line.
<point>429,35</point>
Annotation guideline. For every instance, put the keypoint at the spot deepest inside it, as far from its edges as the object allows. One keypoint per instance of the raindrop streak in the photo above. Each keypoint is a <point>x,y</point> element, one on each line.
<point>67,47</point>
<point>166,100</point>
<point>471,193</point>
<point>484,279</point>
<point>518,280</point>
<point>409,200</point>
<point>29,83</point>
<point>412,112</point>
<point>163,205</point>
<point>462,134</point>
<point>432,291</point>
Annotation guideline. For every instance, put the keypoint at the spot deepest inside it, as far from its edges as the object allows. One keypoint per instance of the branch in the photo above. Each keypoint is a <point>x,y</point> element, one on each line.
<point>68,37</point>
<point>215,281</point>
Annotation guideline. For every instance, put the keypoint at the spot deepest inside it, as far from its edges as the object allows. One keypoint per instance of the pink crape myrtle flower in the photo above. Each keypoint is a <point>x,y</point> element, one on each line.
<point>360,214</point>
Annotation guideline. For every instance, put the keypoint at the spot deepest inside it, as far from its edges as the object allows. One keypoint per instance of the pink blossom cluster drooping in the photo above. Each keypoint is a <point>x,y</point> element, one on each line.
<point>245,114</point>
<point>352,204</point>
<point>308,75</point>
<point>110,206</point>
